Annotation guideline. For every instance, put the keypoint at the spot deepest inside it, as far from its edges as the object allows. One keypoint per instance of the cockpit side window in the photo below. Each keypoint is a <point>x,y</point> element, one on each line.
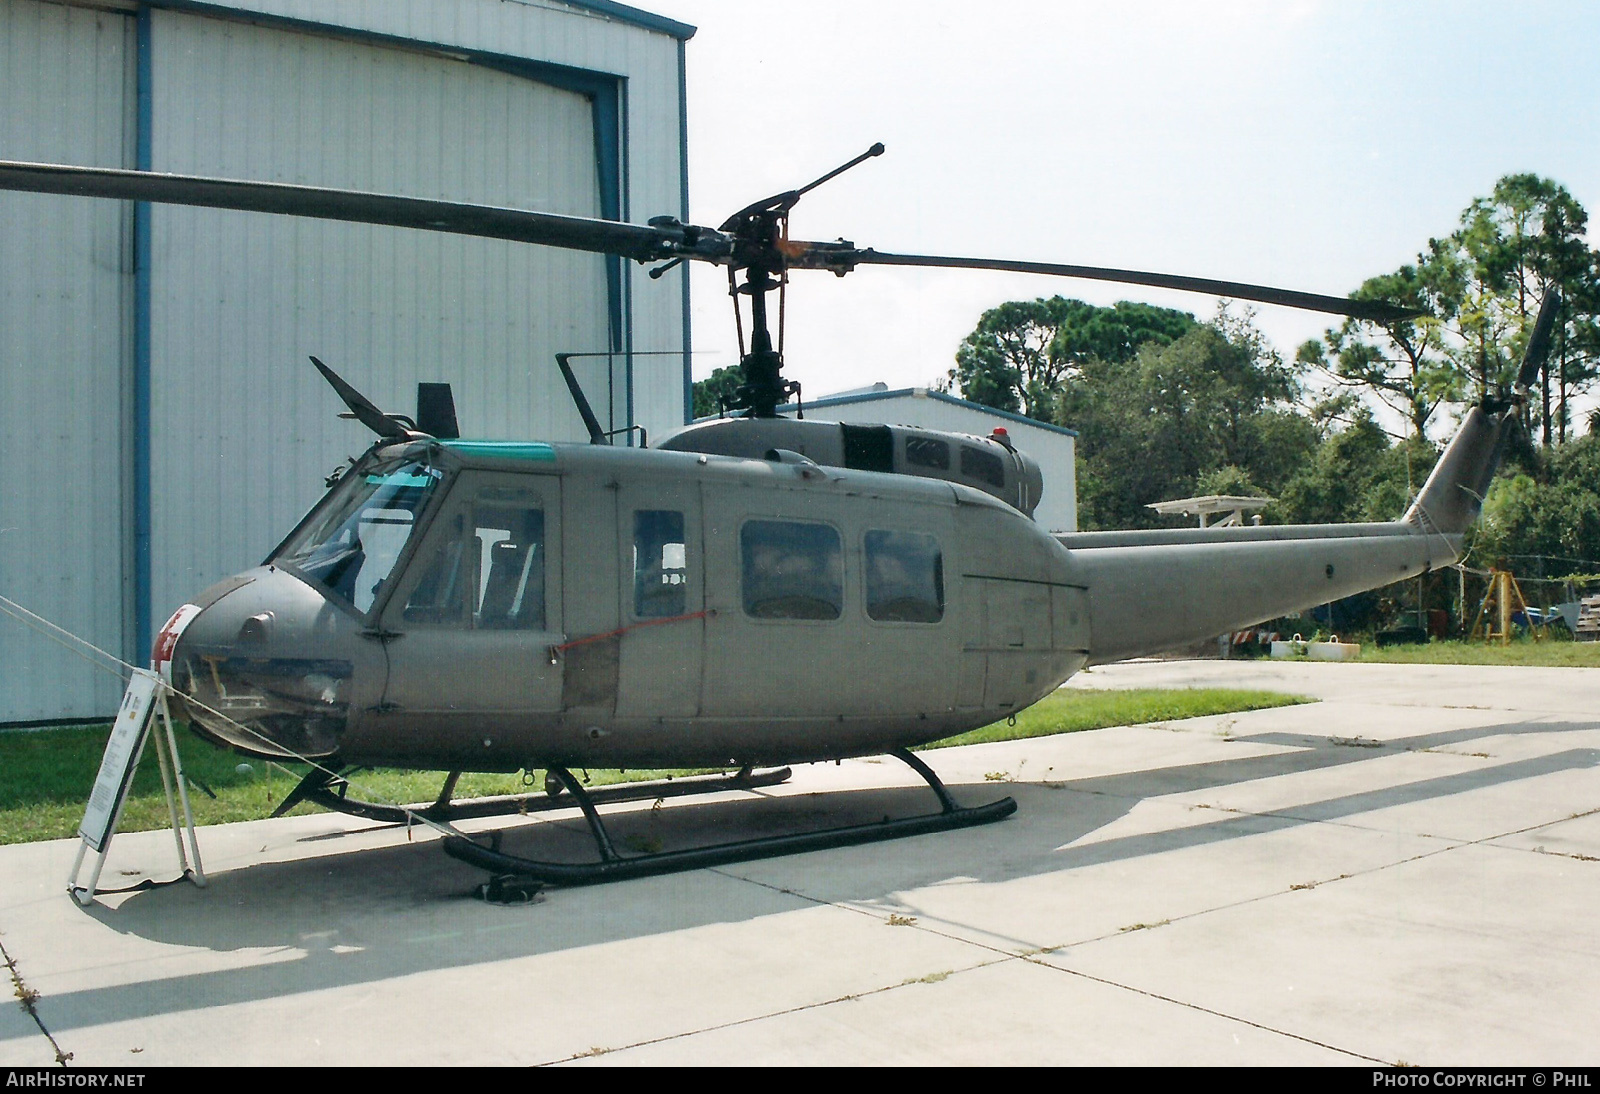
<point>349,547</point>
<point>484,565</point>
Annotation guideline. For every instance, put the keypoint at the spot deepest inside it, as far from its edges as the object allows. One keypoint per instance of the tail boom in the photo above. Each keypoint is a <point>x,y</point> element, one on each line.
<point>1156,589</point>
<point>1143,599</point>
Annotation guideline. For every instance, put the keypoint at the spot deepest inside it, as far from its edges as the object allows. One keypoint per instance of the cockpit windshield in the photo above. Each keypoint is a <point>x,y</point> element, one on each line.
<point>350,545</point>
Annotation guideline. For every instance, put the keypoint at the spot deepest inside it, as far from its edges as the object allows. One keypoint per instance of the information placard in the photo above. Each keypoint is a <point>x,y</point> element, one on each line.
<point>121,758</point>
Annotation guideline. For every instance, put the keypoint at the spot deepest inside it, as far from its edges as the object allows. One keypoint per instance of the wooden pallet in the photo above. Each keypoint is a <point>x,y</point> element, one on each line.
<point>1589,619</point>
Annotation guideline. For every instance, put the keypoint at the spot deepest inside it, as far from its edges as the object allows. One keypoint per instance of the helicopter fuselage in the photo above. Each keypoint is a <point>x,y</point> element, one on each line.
<point>473,605</point>
<point>482,606</point>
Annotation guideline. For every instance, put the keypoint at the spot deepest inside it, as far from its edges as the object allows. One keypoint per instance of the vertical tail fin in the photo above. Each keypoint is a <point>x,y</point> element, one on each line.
<point>1453,495</point>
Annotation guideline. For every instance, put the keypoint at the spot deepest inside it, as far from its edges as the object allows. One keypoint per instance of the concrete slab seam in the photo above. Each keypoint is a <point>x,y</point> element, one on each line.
<point>28,999</point>
<point>1031,957</point>
<point>799,1009</point>
<point>1454,844</point>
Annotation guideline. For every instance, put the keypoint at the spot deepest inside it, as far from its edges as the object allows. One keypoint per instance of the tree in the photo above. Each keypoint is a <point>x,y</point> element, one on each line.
<point>1022,354</point>
<point>1558,518</point>
<point>716,389</point>
<point>1166,424</point>
<point>1229,481</point>
<point>1356,474</point>
<point>1475,294</point>
<point>1404,362</point>
<point>1510,250</point>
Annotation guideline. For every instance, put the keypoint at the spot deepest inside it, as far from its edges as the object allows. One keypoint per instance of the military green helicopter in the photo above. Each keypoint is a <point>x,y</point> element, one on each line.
<point>753,590</point>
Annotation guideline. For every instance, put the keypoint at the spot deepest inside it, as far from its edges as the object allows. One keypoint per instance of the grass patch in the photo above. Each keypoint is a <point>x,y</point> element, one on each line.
<point>1550,653</point>
<point>1074,709</point>
<point>46,774</point>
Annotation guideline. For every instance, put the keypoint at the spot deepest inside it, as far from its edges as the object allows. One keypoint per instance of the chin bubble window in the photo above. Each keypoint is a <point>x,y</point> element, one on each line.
<point>905,577</point>
<point>792,570</point>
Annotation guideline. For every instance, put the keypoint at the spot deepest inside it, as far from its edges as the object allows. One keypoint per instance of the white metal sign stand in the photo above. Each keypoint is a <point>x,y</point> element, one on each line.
<point>145,698</point>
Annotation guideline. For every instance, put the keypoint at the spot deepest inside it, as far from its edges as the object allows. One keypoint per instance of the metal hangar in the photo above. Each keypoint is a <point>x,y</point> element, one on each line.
<point>161,424</point>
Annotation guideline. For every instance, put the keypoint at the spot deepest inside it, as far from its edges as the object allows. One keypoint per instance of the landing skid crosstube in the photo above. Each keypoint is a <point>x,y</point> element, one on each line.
<point>614,867</point>
<point>325,787</point>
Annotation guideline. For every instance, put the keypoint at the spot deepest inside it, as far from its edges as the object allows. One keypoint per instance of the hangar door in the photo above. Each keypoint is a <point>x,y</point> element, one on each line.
<point>65,290</point>
<point>243,430</point>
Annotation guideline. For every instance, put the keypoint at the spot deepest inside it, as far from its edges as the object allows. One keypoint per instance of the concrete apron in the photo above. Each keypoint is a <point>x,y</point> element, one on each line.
<point>1407,871</point>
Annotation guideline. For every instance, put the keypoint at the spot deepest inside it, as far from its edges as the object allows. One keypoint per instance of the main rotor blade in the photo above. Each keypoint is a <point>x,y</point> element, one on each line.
<point>1375,310</point>
<point>521,225</point>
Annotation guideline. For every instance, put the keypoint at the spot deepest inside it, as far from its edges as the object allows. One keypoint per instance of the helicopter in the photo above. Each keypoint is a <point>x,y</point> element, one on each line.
<point>752,592</point>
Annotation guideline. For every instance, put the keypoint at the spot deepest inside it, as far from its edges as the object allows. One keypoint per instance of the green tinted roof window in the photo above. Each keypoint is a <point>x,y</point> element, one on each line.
<point>504,450</point>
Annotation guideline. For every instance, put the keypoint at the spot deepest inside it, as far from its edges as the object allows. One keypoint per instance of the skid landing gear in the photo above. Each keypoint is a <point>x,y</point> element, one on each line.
<point>613,866</point>
<point>325,787</point>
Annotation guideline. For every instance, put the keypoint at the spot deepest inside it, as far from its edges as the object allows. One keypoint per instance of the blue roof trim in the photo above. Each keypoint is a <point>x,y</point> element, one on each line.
<point>622,13</point>
<point>900,393</point>
<point>567,77</point>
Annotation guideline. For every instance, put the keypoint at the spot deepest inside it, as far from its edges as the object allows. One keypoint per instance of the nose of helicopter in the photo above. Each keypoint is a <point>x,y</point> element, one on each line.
<point>263,664</point>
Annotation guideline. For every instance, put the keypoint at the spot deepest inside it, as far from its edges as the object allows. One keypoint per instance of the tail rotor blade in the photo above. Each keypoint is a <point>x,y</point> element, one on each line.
<point>1539,342</point>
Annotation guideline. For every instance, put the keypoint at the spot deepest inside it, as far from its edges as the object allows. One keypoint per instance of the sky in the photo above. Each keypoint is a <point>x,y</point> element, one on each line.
<point>1301,144</point>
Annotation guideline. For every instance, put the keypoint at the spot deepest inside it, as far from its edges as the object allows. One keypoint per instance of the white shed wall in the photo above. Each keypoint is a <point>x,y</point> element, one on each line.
<point>63,349</point>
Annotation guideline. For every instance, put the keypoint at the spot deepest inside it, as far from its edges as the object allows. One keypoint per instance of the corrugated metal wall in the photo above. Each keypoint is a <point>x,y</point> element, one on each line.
<point>406,96</point>
<point>647,63</point>
<point>64,83</point>
<point>240,300</point>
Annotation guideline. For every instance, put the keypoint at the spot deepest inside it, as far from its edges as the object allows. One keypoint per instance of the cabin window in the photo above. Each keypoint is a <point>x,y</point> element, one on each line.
<point>926,452</point>
<point>485,569</point>
<point>792,570</point>
<point>905,577</point>
<point>350,546</point>
<point>660,564</point>
<point>982,466</point>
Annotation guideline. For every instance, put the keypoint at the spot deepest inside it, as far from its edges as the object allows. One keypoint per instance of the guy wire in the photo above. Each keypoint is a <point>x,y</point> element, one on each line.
<point>59,635</point>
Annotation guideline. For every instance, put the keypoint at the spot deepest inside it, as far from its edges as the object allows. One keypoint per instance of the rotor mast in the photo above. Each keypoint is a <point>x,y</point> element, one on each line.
<point>761,249</point>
